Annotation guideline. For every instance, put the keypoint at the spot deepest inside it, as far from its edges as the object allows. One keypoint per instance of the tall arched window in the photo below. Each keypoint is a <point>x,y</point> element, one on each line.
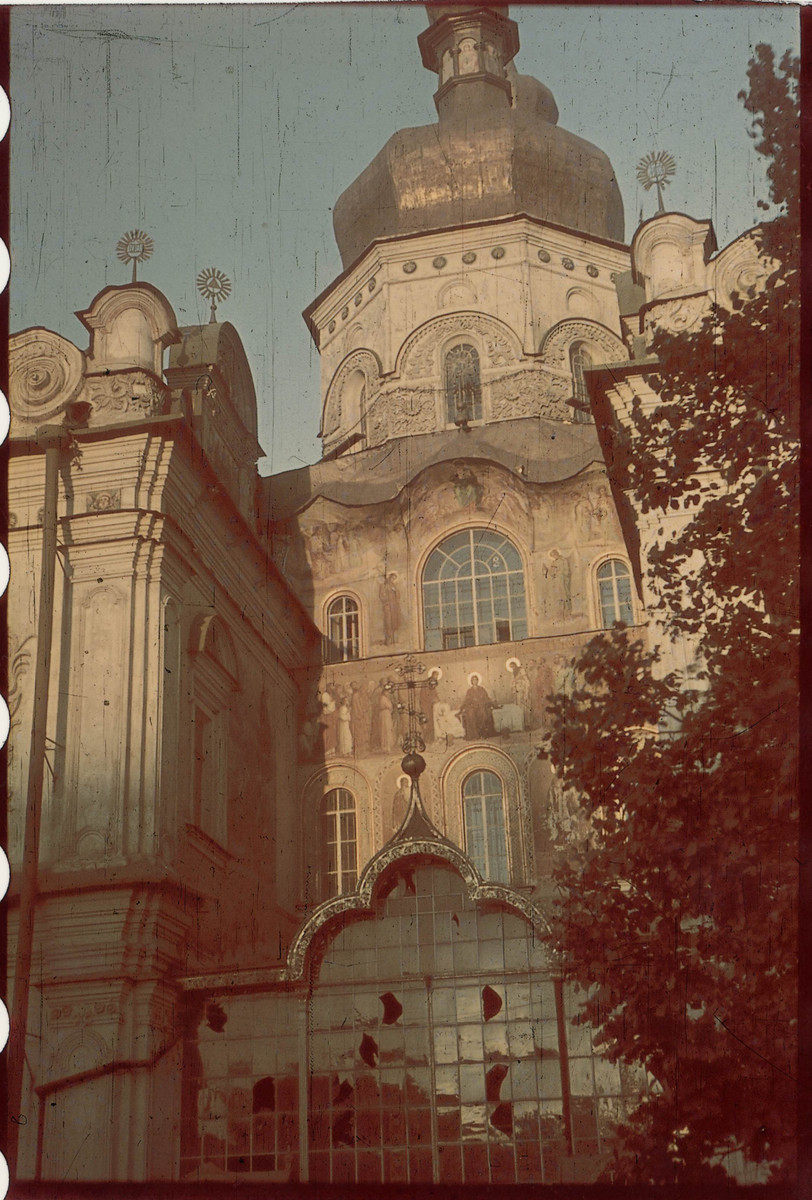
<point>615,592</point>
<point>484,815</point>
<point>343,630</point>
<point>339,843</point>
<point>580,361</point>
<point>463,391</point>
<point>473,591</point>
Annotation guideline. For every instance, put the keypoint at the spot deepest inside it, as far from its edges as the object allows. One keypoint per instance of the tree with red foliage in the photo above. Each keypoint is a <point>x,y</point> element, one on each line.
<point>679,912</point>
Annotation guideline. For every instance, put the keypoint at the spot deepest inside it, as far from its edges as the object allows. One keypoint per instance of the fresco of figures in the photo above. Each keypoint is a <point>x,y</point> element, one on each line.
<point>358,709</point>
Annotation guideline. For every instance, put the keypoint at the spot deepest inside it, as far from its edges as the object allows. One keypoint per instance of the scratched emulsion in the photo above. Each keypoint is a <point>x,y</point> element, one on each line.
<point>290,810</point>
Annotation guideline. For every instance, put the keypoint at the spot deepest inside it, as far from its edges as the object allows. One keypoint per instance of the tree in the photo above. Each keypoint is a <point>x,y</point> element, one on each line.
<point>678,914</point>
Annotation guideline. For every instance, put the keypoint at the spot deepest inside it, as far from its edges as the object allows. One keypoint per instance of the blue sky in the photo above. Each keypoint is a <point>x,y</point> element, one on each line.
<point>228,132</point>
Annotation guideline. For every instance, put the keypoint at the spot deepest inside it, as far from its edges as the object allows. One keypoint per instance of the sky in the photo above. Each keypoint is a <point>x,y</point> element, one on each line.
<point>227,132</point>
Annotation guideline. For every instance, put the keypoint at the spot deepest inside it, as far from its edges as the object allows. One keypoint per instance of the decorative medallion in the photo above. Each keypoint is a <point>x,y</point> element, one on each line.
<point>439,262</point>
<point>135,247</point>
<point>13,520</point>
<point>345,312</point>
<point>103,501</point>
<point>45,374</point>
<point>331,328</point>
<point>214,286</point>
<point>357,299</point>
<point>410,267</point>
<point>567,264</point>
<point>592,271</point>
<point>544,255</point>
<point>498,252</point>
<point>372,285</point>
<point>469,257</point>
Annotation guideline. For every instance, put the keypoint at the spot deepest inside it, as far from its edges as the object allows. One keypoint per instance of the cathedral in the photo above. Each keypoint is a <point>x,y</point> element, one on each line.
<point>279,827</point>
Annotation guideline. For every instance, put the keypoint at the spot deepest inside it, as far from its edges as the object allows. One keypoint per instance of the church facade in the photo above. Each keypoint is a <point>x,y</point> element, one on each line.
<point>290,831</point>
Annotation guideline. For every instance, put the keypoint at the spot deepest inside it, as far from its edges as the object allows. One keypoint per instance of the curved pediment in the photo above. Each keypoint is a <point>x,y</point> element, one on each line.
<point>342,402</point>
<point>419,356</point>
<point>604,346</point>
<point>130,326</point>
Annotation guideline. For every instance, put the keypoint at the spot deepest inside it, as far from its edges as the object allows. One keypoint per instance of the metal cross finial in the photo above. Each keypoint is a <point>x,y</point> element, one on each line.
<point>214,286</point>
<point>409,669</point>
<point>656,170</point>
<point>135,247</point>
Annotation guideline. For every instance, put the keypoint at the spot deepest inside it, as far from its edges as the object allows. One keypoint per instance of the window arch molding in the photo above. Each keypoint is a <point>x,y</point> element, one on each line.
<point>329,600</point>
<point>581,358</point>
<point>419,355</point>
<point>492,527</point>
<point>319,784</point>
<point>595,589</point>
<point>464,764</point>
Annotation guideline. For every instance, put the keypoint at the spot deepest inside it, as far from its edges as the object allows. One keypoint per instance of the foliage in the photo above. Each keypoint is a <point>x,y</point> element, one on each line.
<point>680,908</point>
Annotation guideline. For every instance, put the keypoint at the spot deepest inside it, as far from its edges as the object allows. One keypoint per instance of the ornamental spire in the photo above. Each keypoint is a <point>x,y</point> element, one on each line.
<point>469,47</point>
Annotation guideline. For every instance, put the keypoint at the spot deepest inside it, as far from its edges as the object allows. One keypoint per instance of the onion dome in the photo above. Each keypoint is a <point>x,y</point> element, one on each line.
<point>496,150</point>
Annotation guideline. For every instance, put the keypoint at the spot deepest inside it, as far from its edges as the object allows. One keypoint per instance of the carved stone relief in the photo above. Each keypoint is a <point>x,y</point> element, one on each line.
<point>530,393</point>
<point>45,374</point>
<point>418,356</point>
<point>103,501</point>
<point>132,392</point>
<point>604,345</point>
<point>680,315</point>
<point>739,270</point>
<point>401,411</point>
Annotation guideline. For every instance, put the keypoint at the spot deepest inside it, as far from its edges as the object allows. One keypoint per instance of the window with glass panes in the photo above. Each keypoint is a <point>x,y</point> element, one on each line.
<point>463,392</point>
<point>344,630</point>
<point>430,1043</point>
<point>580,360</point>
<point>484,813</point>
<point>615,591</point>
<point>339,842</point>
<point>473,592</point>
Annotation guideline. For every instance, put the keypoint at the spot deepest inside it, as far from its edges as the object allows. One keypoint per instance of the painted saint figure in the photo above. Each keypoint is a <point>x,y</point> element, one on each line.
<point>476,711</point>
<point>344,727</point>
<point>521,689</point>
<point>400,801</point>
<point>559,574</point>
<point>386,722</point>
<point>328,721</point>
<point>359,711</point>
<point>390,607</point>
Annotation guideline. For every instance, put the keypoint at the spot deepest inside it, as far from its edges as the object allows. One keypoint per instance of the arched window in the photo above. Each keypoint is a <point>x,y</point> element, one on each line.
<point>463,391</point>
<point>580,360</point>
<point>343,630</point>
<point>339,843</point>
<point>615,592</point>
<point>484,814</point>
<point>473,592</point>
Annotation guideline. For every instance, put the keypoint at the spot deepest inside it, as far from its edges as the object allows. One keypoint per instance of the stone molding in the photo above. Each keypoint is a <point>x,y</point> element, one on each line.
<point>360,901</point>
<point>360,359</point>
<point>604,345</point>
<point>45,375</point>
<point>417,358</point>
<point>125,394</point>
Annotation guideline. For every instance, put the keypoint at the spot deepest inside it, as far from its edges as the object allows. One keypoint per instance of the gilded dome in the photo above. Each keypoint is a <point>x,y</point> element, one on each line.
<point>496,150</point>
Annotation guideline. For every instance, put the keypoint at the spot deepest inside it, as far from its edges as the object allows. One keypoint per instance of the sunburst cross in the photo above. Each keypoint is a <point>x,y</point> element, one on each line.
<point>656,170</point>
